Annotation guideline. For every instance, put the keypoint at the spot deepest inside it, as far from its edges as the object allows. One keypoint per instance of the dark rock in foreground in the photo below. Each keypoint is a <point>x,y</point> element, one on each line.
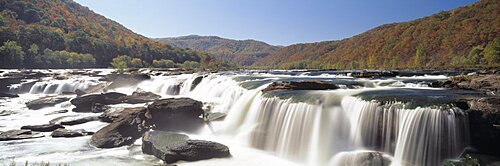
<point>484,124</point>
<point>300,85</point>
<point>112,115</point>
<point>70,133</point>
<point>18,135</point>
<point>124,131</point>
<point>43,128</point>
<point>176,114</point>
<point>46,102</point>
<point>172,147</point>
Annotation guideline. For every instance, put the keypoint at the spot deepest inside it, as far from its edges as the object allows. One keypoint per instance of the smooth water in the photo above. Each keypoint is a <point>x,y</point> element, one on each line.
<point>327,127</point>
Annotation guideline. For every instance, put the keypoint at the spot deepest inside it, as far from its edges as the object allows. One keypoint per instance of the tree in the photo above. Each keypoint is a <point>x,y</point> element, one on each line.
<point>190,65</point>
<point>420,56</point>
<point>11,55</point>
<point>372,61</point>
<point>162,63</point>
<point>121,62</point>
<point>492,52</point>
<point>475,55</point>
<point>136,63</point>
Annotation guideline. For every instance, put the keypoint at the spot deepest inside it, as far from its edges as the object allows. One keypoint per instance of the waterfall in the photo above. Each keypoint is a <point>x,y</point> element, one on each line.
<point>51,86</point>
<point>221,92</point>
<point>334,131</point>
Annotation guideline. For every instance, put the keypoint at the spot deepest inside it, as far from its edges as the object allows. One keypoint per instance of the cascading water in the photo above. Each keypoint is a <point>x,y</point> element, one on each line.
<point>316,133</point>
<point>51,86</point>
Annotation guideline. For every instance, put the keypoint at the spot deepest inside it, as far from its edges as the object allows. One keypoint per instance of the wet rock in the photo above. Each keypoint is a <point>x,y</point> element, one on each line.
<point>111,115</point>
<point>374,74</point>
<point>484,124</point>
<point>18,135</point>
<point>6,113</point>
<point>8,95</point>
<point>197,81</point>
<point>70,133</point>
<point>6,82</point>
<point>214,116</point>
<point>124,131</point>
<point>361,159</point>
<point>48,101</point>
<point>43,128</point>
<point>172,147</point>
<point>300,85</point>
<point>141,96</point>
<point>176,114</point>
<point>72,120</point>
<point>57,112</point>
<point>96,102</point>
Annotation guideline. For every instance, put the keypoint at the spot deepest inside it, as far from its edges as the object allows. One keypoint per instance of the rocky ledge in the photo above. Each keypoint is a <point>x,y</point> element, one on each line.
<point>46,102</point>
<point>300,85</point>
<point>18,135</point>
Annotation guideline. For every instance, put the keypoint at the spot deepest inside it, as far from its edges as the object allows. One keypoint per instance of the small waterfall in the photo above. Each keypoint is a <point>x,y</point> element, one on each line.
<point>318,133</point>
<point>220,91</point>
<point>51,86</point>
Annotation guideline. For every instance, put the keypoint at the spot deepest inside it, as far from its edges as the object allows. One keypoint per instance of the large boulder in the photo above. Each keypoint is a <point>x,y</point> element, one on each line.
<point>300,85</point>
<point>484,124</point>
<point>18,135</point>
<point>141,96</point>
<point>124,131</point>
<point>96,102</point>
<point>113,114</point>
<point>46,102</point>
<point>485,83</point>
<point>43,128</point>
<point>172,147</point>
<point>176,114</point>
<point>70,133</point>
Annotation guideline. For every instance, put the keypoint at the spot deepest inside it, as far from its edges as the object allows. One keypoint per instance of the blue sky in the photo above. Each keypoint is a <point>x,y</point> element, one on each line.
<point>275,22</point>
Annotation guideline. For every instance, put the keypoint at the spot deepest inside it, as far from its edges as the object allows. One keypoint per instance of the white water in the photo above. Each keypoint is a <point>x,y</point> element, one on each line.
<point>337,130</point>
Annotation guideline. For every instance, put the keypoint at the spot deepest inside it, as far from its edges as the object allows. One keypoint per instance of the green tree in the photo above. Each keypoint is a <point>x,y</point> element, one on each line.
<point>420,56</point>
<point>11,55</point>
<point>492,52</point>
<point>163,63</point>
<point>136,63</point>
<point>121,62</point>
<point>372,61</point>
<point>475,55</point>
<point>190,65</point>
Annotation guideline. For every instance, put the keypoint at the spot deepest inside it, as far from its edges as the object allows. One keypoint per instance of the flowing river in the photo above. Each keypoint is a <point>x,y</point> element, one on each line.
<point>395,120</point>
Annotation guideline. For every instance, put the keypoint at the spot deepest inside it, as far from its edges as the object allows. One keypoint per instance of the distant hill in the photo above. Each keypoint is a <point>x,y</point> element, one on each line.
<point>62,33</point>
<point>468,36</point>
<point>242,52</point>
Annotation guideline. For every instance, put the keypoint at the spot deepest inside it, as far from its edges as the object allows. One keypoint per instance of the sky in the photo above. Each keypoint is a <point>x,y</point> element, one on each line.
<point>276,22</point>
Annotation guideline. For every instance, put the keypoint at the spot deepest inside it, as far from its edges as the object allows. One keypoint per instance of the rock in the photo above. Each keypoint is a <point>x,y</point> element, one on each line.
<point>57,112</point>
<point>70,133</point>
<point>361,159</point>
<point>486,83</point>
<point>172,147</point>
<point>374,74</point>
<point>8,95</point>
<point>73,120</point>
<point>111,115</point>
<point>141,96</point>
<point>300,85</point>
<point>99,88</point>
<point>124,131</point>
<point>214,116</point>
<point>96,102</point>
<point>18,135</point>
<point>197,81</point>
<point>5,83</point>
<point>6,113</point>
<point>176,114</point>
<point>43,128</point>
<point>484,124</point>
<point>46,102</point>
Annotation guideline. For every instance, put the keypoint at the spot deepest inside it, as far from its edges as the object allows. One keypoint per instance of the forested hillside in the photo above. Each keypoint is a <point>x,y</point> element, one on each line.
<point>464,37</point>
<point>241,52</point>
<point>64,34</point>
